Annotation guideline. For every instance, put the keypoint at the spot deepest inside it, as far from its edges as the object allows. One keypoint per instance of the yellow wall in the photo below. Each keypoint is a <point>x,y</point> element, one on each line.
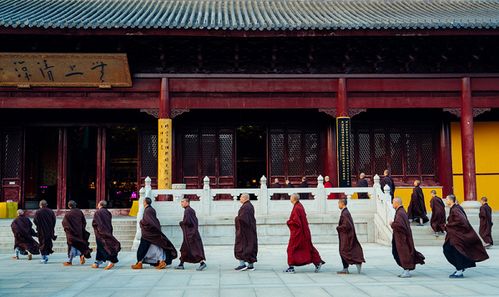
<point>405,194</point>
<point>486,158</point>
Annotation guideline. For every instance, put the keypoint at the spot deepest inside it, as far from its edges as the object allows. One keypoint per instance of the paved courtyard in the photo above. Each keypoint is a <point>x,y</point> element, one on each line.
<point>379,277</point>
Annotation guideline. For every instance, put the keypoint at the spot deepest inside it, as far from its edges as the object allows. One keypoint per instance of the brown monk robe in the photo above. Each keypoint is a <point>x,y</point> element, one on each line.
<point>388,180</point>
<point>403,249</point>
<point>108,246</point>
<point>300,250</point>
<point>153,239</point>
<point>437,221</point>
<point>45,227</point>
<point>246,243</point>
<point>350,250</point>
<point>74,224</point>
<point>462,246</point>
<point>192,250</point>
<point>486,223</point>
<point>24,243</point>
<point>417,208</point>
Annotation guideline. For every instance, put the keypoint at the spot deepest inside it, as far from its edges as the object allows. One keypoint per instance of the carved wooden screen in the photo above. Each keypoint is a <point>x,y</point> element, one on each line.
<point>11,145</point>
<point>148,156</point>
<point>407,151</point>
<point>207,151</point>
<point>294,153</point>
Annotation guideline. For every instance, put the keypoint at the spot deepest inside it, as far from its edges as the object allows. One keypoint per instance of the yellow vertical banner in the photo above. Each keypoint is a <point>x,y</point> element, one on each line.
<point>164,153</point>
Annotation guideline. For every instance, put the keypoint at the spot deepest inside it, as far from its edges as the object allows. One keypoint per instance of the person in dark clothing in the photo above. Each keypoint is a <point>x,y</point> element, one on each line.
<point>192,250</point>
<point>246,240</point>
<point>417,207</point>
<point>462,246</point>
<point>24,244</point>
<point>108,246</point>
<point>438,219</point>
<point>44,221</point>
<point>351,252</point>
<point>486,223</point>
<point>74,224</point>
<point>388,180</point>
<point>304,184</point>
<point>362,183</point>
<point>276,185</point>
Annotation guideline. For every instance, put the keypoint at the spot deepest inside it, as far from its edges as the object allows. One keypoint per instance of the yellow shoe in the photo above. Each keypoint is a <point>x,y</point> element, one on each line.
<point>82,259</point>
<point>109,266</point>
<point>95,265</point>
<point>137,265</point>
<point>161,265</point>
<point>67,264</point>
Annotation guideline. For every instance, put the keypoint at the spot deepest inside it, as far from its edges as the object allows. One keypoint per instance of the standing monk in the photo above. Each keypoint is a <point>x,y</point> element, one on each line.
<point>486,223</point>
<point>301,251</point>
<point>74,224</point>
<point>191,250</point>
<point>350,249</point>
<point>108,246</point>
<point>362,183</point>
<point>45,227</point>
<point>388,180</point>
<point>154,248</point>
<point>24,243</point>
<point>246,245</point>
<point>417,208</point>
<point>403,249</point>
<point>462,246</point>
<point>437,221</point>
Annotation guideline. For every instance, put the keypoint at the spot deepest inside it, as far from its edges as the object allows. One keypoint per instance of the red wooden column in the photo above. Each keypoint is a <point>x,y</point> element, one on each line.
<point>62,156</point>
<point>100,189</point>
<point>343,132</point>
<point>445,159</point>
<point>467,141</point>
<point>165,138</point>
<point>342,103</point>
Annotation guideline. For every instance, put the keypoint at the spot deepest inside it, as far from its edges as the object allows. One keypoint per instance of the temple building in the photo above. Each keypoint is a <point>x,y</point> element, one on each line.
<point>97,95</point>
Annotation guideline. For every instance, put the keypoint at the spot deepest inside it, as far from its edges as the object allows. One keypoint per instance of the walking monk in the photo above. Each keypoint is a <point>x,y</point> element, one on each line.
<point>45,227</point>
<point>154,248</point>
<point>350,250</point>
<point>437,221</point>
<point>24,243</point>
<point>403,249</point>
<point>417,208</point>
<point>108,246</point>
<point>192,250</point>
<point>486,223</point>
<point>246,245</point>
<point>300,248</point>
<point>462,246</point>
<point>74,224</point>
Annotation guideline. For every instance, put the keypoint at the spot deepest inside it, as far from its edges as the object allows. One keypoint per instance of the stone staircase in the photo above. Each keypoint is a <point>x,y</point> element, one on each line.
<point>424,236</point>
<point>124,230</point>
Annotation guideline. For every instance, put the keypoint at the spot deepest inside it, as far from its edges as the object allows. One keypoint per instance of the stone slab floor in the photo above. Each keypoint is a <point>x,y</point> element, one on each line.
<point>379,277</point>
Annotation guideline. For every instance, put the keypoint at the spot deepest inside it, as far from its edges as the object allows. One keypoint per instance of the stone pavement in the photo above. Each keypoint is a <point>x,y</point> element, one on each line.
<point>379,277</point>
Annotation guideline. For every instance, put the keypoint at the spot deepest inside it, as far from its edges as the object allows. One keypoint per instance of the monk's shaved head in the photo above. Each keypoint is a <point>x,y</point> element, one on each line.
<point>244,197</point>
<point>396,202</point>
<point>72,204</point>
<point>20,212</point>
<point>484,199</point>
<point>294,197</point>
<point>43,203</point>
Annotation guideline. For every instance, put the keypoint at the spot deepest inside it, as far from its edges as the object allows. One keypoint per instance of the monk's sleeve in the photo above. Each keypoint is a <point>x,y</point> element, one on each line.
<point>482,214</point>
<point>344,226</point>
<point>294,219</point>
<point>397,226</point>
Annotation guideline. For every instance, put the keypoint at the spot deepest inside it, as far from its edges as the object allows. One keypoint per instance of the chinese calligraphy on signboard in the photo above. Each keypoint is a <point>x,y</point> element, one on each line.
<point>64,70</point>
<point>164,154</point>
<point>343,141</point>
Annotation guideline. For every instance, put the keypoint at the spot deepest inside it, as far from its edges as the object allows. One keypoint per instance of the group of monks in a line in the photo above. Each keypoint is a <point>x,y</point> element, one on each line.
<point>462,247</point>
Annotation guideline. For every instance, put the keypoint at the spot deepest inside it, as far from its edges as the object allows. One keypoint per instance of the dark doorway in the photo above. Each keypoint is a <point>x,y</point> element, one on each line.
<point>40,176</point>
<point>251,155</point>
<point>121,177</point>
<point>82,166</point>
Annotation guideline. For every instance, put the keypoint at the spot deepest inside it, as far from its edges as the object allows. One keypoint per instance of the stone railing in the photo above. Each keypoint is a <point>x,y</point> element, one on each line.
<point>319,206</point>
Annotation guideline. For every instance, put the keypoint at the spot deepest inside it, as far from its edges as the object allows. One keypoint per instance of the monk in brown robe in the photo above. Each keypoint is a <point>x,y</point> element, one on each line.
<point>154,248</point>
<point>462,246</point>
<point>388,180</point>
<point>403,249</point>
<point>246,244</point>
<point>486,223</point>
<point>437,221</point>
<point>350,249</point>
<point>74,224</point>
<point>44,221</point>
<point>108,246</point>
<point>192,250</point>
<point>24,244</point>
<point>417,208</point>
<point>300,250</point>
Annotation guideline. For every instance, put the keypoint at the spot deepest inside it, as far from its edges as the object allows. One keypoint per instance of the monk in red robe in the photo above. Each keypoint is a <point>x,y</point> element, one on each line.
<point>301,251</point>
<point>108,246</point>
<point>403,249</point>
<point>350,249</point>
<point>328,184</point>
<point>462,246</point>
<point>44,221</point>
<point>24,244</point>
<point>486,223</point>
<point>437,221</point>
<point>192,250</point>
<point>74,224</point>
<point>246,241</point>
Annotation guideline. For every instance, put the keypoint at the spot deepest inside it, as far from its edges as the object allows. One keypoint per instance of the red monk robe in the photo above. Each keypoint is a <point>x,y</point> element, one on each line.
<point>403,249</point>
<point>300,248</point>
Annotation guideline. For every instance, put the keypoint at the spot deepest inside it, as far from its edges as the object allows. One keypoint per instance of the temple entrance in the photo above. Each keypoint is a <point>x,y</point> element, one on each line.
<point>40,176</point>
<point>251,155</point>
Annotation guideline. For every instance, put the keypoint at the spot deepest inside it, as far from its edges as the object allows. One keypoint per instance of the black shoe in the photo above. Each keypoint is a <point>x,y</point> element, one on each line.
<point>180,267</point>
<point>290,270</point>
<point>201,267</point>
<point>318,266</point>
<point>250,268</point>
<point>241,268</point>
